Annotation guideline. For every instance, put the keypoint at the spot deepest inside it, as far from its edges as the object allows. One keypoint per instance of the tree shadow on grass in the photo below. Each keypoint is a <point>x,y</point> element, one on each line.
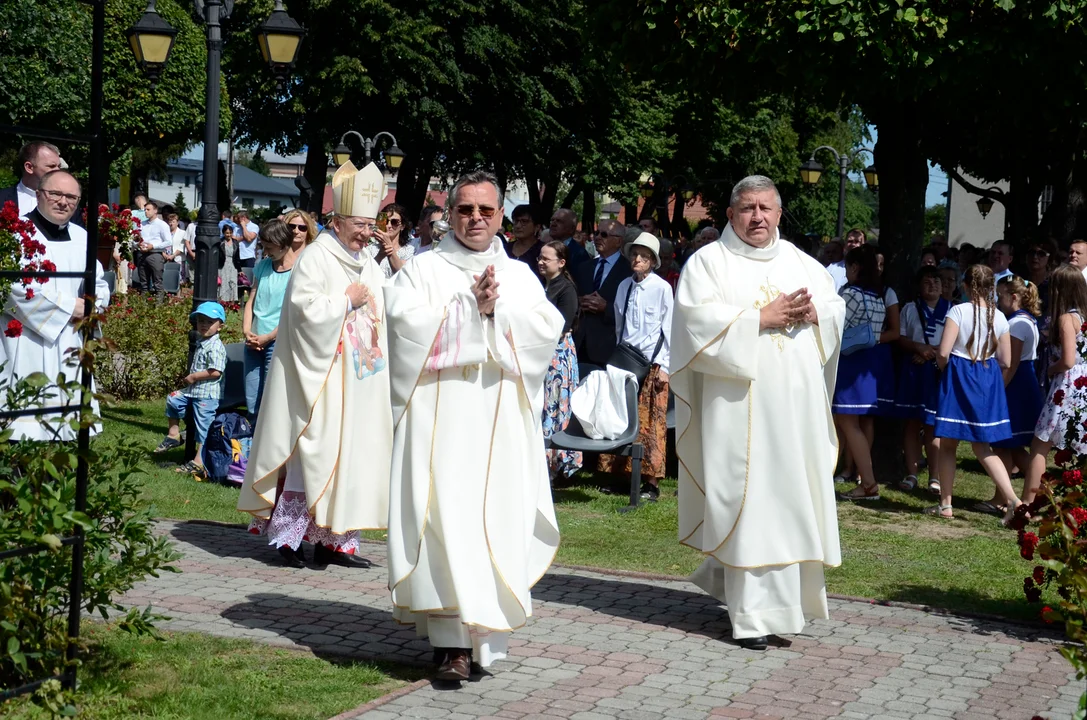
<point>125,416</point>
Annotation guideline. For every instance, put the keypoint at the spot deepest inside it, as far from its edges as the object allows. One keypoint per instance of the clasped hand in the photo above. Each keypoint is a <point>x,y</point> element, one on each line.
<point>485,290</point>
<point>358,294</point>
<point>788,310</point>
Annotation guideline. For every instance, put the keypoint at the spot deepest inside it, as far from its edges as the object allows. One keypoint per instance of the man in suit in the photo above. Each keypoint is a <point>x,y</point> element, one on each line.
<point>562,227</point>
<point>597,282</point>
<point>35,160</point>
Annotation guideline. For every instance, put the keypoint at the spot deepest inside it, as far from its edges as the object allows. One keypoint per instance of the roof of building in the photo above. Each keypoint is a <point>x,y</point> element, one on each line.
<point>245,180</point>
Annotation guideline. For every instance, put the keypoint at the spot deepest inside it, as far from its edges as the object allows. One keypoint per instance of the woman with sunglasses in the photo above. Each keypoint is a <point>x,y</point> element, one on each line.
<point>393,247</point>
<point>303,229</point>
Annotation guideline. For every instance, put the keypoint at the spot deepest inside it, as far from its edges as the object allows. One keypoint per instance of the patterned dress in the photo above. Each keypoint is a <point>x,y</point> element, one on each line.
<point>228,274</point>
<point>1065,401</point>
<point>562,378</point>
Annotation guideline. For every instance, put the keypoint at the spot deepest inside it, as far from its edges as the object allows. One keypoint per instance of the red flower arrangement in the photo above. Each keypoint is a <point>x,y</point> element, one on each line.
<point>19,251</point>
<point>117,227</point>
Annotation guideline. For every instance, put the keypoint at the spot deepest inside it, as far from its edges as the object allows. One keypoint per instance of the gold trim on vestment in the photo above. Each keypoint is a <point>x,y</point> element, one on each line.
<point>445,315</point>
<point>683,541</point>
<point>787,563</point>
<point>430,485</point>
<point>294,447</point>
<point>469,624</point>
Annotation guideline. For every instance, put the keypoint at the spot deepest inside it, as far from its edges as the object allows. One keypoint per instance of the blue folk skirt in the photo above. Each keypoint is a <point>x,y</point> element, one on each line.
<point>971,405</point>
<point>1024,405</point>
<point>861,378</point>
<point>918,390</point>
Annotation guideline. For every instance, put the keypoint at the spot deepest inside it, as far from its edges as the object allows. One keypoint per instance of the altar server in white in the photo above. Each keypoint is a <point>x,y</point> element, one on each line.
<point>325,416</point>
<point>755,346</point>
<point>471,523</point>
<point>49,310</point>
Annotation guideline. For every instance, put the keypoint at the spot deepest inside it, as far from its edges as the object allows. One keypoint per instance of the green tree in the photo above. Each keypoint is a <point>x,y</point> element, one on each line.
<point>253,161</point>
<point>935,220</point>
<point>180,206</point>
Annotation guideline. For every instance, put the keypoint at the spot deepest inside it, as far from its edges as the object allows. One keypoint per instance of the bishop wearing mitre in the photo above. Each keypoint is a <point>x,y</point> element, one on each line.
<point>755,338</point>
<point>471,522</point>
<point>325,424</point>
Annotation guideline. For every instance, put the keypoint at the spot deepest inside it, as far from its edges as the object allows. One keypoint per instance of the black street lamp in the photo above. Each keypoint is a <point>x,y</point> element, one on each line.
<point>985,202</point>
<point>343,152</point>
<point>279,37</point>
<point>812,171</point>
<point>152,39</point>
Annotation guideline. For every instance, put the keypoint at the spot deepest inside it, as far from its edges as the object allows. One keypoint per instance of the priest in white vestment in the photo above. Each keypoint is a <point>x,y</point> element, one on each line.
<point>325,423</point>
<point>755,338</point>
<point>471,522</point>
<point>49,310</point>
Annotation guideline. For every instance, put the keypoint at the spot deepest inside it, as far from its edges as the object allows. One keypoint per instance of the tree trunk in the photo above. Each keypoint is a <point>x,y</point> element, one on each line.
<point>679,223</point>
<point>1021,209</point>
<point>549,197</point>
<point>316,172</point>
<point>903,178</point>
<point>630,213</point>
<point>412,183</point>
<point>1066,216</point>
<point>577,189</point>
<point>588,210</point>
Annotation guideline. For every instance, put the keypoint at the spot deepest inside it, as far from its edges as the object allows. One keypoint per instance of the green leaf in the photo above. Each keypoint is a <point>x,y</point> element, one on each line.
<point>839,36</point>
<point>52,541</point>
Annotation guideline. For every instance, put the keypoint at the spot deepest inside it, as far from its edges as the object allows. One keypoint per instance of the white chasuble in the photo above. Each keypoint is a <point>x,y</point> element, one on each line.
<point>49,338</point>
<point>326,400</point>
<point>471,522</point>
<point>755,437</point>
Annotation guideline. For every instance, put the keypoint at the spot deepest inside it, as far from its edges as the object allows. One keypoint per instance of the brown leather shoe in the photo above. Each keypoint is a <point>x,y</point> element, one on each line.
<point>456,666</point>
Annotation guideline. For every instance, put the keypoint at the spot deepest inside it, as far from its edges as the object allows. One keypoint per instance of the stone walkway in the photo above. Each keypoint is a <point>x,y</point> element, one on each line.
<point>602,647</point>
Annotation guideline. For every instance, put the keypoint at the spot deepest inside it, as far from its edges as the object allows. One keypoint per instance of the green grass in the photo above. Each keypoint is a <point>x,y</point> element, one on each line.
<point>890,550</point>
<point>198,677</point>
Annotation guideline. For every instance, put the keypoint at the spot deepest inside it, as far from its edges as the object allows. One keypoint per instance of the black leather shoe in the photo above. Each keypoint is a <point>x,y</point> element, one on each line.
<point>292,558</point>
<point>322,556</point>
<point>755,643</point>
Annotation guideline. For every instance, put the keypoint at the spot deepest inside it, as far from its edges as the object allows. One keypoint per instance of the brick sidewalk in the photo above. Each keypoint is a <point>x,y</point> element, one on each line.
<point>602,647</point>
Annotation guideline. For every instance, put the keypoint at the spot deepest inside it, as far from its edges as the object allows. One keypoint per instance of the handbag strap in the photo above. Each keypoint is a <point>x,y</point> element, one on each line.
<point>623,324</point>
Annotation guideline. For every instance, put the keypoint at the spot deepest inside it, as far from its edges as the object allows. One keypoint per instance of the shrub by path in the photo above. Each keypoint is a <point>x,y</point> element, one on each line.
<point>612,646</point>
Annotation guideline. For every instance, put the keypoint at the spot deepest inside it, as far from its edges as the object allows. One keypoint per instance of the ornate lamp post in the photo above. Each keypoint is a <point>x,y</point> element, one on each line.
<point>812,171</point>
<point>279,37</point>
<point>394,156</point>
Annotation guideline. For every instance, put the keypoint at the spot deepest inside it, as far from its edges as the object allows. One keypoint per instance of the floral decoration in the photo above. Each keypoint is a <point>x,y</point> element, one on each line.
<point>19,251</point>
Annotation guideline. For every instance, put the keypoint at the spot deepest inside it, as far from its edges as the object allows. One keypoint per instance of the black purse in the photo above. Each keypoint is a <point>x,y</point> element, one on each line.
<point>626,356</point>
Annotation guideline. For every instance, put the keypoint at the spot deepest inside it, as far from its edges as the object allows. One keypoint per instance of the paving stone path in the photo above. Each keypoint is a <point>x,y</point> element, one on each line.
<point>606,647</point>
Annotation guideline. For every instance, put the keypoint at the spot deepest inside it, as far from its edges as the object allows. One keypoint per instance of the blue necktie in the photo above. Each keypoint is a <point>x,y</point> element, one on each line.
<point>598,279</point>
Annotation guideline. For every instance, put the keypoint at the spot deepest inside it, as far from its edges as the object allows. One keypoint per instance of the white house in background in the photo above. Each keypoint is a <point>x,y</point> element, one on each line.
<point>251,189</point>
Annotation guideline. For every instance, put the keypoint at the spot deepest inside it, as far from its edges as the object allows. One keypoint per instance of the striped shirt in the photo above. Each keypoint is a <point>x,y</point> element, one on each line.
<point>210,355</point>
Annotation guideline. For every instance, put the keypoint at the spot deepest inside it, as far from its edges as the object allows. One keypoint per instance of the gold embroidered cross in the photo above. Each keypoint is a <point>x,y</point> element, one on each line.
<point>369,193</point>
<point>770,293</point>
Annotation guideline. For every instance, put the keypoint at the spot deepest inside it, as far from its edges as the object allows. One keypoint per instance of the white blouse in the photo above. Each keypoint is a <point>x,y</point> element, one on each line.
<point>649,315</point>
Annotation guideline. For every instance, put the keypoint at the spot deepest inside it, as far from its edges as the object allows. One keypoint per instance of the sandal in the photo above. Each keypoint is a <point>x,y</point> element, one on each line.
<point>865,493</point>
<point>938,511</point>
<point>934,486</point>
<point>840,478</point>
<point>1009,514</point>
<point>168,443</point>
<point>908,483</point>
<point>989,508</point>
<point>198,471</point>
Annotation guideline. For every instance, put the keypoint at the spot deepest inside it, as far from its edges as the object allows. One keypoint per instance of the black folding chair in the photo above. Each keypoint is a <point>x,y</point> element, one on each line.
<point>627,445</point>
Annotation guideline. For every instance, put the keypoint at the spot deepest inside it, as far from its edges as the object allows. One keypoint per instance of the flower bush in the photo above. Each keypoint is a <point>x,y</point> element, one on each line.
<point>19,251</point>
<point>1059,547</point>
<point>37,507</point>
<point>117,227</point>
<point>148,345</point>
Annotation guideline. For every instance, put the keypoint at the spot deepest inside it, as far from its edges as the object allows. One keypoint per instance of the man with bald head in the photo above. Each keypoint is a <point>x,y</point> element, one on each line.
<point>35,160</point>
<point>48,312</point>
<point>755,340</point>
<point>563,225</point>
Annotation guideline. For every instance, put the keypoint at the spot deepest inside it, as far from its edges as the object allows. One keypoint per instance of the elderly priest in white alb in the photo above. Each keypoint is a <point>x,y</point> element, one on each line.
<point>50,310</point>
<point>755,339</point>
<point>325,417</point>
<point>471,523</point>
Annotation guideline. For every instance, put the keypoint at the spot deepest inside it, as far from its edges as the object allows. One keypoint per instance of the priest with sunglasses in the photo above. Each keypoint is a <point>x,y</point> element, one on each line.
<point>471,522</point>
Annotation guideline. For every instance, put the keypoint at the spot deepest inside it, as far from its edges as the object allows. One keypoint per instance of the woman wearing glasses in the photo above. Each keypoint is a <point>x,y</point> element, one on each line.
<point>393,247</point>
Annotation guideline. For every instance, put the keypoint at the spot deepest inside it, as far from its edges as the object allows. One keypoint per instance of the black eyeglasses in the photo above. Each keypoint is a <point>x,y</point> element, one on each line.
<point>1038,253</point>
<point>298,227</point>
<point>393,222</point>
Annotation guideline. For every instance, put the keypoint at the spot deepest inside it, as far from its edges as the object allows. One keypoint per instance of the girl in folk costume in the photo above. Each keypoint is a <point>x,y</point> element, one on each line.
<point>1067,371</point>
<point>861,373</point>
<point>892,331</point>
<point>918,378</point>
<point>971,404</point>
<point>1018,300</point>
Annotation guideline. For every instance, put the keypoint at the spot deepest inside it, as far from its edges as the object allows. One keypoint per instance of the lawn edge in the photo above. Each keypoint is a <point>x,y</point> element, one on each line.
<point>387,698</point>
<point>660,577</point>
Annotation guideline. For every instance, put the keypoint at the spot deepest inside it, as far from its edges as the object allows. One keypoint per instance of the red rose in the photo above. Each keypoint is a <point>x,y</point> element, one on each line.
<point>1039,574</point>
<point>49,266</point>
<point>1072,478</point>
<point>1048,615</point>
<point>29,294</point>
<point>1079,517</point>
<point>1081,382</point>
<point>15,329</point>
<point>1028,542</point>
<point>1058,397</point>
<point>1063,457</point>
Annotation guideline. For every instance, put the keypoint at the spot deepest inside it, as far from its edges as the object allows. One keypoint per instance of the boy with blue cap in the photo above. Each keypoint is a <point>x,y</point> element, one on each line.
<point>203,389</point>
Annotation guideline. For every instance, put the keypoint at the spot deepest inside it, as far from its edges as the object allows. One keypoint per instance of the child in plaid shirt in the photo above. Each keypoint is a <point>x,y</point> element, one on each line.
<point>203,387</point>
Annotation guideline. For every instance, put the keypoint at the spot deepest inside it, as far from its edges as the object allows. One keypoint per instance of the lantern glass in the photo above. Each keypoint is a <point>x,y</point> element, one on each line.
<point>341,155</point>
<point>810,172</point>
<point>647,191</point>
<point>279,48</point>
<point>985,206</point>
<point>688,194</point>
<point>394,156</point>
<point>872,178</point>
<point>151,48</point>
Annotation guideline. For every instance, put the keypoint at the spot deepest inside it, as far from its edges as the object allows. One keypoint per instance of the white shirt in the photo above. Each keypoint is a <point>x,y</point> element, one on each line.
<point>28,199</point>
<point>1024,328</point>
<point>998,276</point>
<point>247,249</point>
<point>963,315</point>
<point>837,271</point>
<point>179,245</point>
<point>157,232</point>
<point>609,263</point>
<point>650,314</point>
<point>913,326</point>
<point>890,297</point>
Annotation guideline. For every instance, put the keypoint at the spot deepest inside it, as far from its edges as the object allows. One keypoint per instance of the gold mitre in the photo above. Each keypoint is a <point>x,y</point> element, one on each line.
<point>357,193</point>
